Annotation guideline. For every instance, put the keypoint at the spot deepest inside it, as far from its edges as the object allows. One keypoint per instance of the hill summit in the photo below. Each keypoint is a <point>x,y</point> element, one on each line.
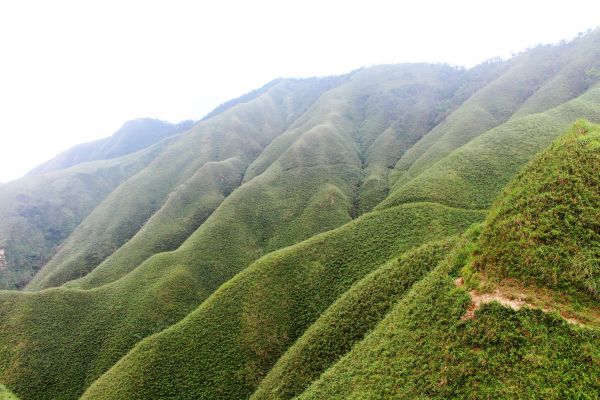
<point>545,227</point>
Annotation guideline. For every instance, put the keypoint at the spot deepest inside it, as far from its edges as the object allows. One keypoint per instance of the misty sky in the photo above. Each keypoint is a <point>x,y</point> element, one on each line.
<point>73,71</point>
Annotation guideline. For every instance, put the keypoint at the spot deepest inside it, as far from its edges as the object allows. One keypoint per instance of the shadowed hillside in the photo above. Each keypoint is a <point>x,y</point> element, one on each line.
<point>311,240</point>
<point>37,213</point>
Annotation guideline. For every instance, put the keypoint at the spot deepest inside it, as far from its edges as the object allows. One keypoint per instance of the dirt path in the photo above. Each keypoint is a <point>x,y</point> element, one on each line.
<point>511,299</point>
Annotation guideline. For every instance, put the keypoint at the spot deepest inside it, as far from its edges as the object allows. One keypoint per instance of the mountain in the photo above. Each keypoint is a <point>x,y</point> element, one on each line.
<point>42,209</point>
<point>134,135</point>
<point>521,342</point>
<point>401,231</point>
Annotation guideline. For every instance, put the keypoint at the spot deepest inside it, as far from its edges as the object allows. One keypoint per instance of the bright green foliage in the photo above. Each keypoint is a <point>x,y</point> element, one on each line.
<point>183,212</point>
<point>300,194</point>
<point>379,113</point>
<point>240,133</point>
<point>226,346</point>
<point>545,228</point>
<point>532,82</point>
<point>293,239</point>
<point>5,394</point>
<point>347,321</point>
<point>473,175</point>
<point>423,349</point>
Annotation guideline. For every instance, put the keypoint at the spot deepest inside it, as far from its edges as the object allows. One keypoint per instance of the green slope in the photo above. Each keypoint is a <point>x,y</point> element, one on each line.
<point>545,229</point>
<point>301,193</point>
<point>532,82</point>
<point>383,110</point>
<point>225,347</point>
<point>539,229</point>
<point>472,175</point>
<point>183,212</point>
<point>133,136</point>
<point>341,119</point>
<point>240,133</point>
<point>38,212</point>
<point>423,349</point>
<point>347,321</point>
<point>299,236</point>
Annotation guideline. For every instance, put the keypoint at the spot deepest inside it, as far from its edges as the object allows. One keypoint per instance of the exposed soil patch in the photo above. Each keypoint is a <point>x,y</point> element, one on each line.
<point>516,297</point>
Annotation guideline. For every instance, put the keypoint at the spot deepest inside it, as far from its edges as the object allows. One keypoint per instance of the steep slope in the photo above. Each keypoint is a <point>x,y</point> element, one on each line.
<point>532,82</point>
<point>545,229</point>
<point>301,193</point>
<point>132,136</point>
<point>347,321</point>
<point>268,250</point>
<point>38,212</point>
<point>334,124</point>
<point>183,212</point>
<point>384,110</point>
<point>225,347</point>
<point>424,349</point>
<point>240,133</point>
<point>472,175</point>
<point>428,346</point>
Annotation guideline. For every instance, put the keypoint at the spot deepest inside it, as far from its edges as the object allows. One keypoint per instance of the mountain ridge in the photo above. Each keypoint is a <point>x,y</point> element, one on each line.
<point>304,240</point>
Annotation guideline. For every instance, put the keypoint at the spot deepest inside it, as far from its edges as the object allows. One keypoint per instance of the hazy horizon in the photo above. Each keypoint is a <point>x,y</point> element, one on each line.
<point>75,73</point>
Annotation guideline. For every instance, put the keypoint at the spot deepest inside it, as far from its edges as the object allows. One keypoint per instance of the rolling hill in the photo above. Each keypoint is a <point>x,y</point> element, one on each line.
<point>401,231</point>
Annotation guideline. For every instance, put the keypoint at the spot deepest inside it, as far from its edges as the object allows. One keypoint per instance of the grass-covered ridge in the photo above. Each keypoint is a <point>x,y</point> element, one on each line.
<point>301,193</point>
<point>545,227</point>
<point>347,321</point>
<point>242,132</point>
<point>37,213</point>
<point>473,175</point>
<point>226,346</point>
<point>133,136</point>
<point>531,83</point>
<point>305,240</point>
<point>425,349</point>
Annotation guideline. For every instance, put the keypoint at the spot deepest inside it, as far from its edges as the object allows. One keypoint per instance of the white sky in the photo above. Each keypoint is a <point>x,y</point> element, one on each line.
<point>73,71</point>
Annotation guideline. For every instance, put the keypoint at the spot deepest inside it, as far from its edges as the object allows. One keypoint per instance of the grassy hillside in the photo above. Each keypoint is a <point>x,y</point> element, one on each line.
<point>532,82</point>
<point>306,240</point>
<point>184,211</point>
<point>240,133</point>
<point>545,229</point>
<point>382,111</point>
<point>538,231</point>
<point>38,212</point>
<point>225,347</point>
<point>425,349</point>
<point>347,321</point>
<point>132,136</point>
<point>472,175</point>
<point>338,128</point>
<point>302,193</point>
